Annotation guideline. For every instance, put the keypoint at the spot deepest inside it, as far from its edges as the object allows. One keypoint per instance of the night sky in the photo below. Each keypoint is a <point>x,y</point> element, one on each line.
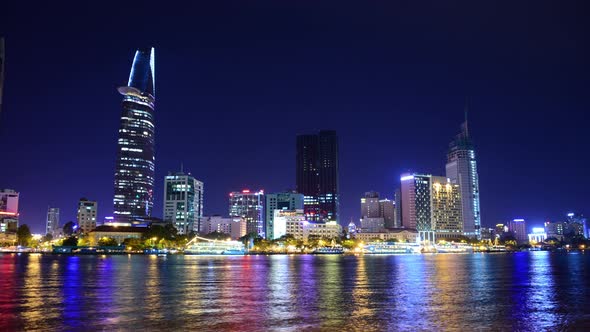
<point>236,81</point>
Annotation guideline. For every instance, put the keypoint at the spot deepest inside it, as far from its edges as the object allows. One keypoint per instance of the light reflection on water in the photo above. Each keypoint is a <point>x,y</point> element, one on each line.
<point>522,291</point>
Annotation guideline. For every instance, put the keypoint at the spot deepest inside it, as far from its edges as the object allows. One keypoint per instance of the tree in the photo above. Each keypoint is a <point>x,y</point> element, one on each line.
<point>108,242</point>
<point>71,241</point>
<point>48,238</point>
<point>133,244</point>
<point>23,235</point>
<point>69,228</point>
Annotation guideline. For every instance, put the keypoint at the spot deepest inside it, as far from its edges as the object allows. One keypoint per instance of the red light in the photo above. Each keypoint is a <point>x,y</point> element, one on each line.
<point>245,191</point>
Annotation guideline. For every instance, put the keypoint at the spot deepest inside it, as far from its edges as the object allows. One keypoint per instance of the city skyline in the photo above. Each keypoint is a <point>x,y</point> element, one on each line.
<point>220,93</point>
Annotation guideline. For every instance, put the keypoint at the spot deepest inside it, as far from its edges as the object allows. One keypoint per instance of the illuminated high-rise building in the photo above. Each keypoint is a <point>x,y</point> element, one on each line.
<point>416,204</point>
<point>280,201</point>
<point>134,172</point>
<point>183,201</point>
<point>461,168</point>
<point>52,224</point>
<point>432,206</point>
<point>518,228</point>
<point>317,175</point>
<point>447,219</point>
<point>250,206</point>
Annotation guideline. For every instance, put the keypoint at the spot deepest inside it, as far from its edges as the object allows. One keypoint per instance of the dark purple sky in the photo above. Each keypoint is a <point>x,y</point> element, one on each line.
<point>236,81</point>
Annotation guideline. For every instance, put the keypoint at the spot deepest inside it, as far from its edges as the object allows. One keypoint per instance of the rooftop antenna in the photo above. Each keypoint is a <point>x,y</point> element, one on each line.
<point>181,167</point>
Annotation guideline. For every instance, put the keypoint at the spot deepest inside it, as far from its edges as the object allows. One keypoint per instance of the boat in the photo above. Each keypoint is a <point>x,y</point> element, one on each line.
<point>497,248</point>
<point>215,248</point>
<point>391,248</point>
<point>454,248</point>
<point>328,251</point>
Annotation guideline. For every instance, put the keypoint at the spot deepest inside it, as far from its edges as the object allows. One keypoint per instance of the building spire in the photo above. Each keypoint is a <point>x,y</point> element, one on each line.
<point>181,167</point>
<point>465,123</point>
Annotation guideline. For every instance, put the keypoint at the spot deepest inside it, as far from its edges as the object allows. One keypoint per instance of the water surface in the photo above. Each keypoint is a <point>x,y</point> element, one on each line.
<point>521,291</point>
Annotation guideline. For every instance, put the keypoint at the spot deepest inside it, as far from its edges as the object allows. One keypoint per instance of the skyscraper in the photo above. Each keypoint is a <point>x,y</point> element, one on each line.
<point>183,201</point>
<point>431,205</point>
<point>87,214</point>
<point>317,175</point>
<point>416,204</point>
<point>370,205</point>
<point>461,168</point>
<point>1,70</point>
<point>518,228</point>
<point>447,220</point>
<point>52,225</point>
<point>387,212</point>
<point>250,206</point>
<point>134,172</point>
<point>280,201</point>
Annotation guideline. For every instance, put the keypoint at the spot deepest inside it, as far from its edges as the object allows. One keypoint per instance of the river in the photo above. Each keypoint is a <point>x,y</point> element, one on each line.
<point>521,291</point>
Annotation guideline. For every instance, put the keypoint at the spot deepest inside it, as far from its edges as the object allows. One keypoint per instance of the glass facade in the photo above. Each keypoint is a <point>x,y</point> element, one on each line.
<point>461,168</point>
<point>317,175</point>
<point>183,202</point>
<point>134,173</point>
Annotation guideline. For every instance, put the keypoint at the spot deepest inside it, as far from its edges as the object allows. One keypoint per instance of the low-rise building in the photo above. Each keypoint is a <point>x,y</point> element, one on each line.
<point>538,235</point>
<point>302,229</point>
<point>119,233</point>
<point>397,234</point>
<point>234,226</point>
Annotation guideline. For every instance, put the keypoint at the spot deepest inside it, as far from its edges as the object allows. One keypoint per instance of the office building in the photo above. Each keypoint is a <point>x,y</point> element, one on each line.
<point>416,207</point>
<point>134,171</point>
<point>234,227</point>
<point>432,206</point>
<point>250,206</point>
<point>284,217</point>
<point>370,205</point>
<point>461,168</point>
<point>183,201</point>
<point>555,229</point>
<point>387,212</point>
<point>52,224</point>
<point>398,208</point>
<point>374,207</point>
<point>578,224</point>
<point>289,200</point>
<point>8,211</point>
<point>87,214</point>
<point>372,225</point>
<point>518,228</point>
<point>317,175</point>
<point>447,220</point>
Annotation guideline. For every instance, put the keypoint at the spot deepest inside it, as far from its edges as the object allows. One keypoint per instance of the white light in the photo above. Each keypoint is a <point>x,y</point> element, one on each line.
<point>406,178</point>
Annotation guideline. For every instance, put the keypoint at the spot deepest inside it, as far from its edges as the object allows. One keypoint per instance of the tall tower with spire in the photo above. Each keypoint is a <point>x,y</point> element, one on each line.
<point>1,70</point>
<point>461,168</point>
<point>134,172</point>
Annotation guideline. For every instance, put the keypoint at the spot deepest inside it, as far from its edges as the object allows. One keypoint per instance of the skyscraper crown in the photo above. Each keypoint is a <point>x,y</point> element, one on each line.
<point>142,76</point>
